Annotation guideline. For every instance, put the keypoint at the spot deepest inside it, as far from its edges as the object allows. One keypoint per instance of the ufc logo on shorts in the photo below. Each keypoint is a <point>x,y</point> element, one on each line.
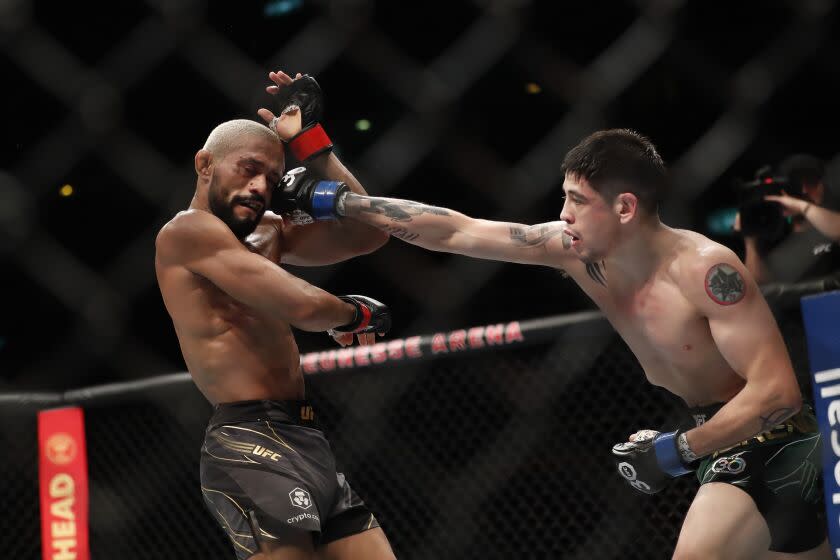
<point>300,498</point>
<point>261,451</point>
<point>629,473</point>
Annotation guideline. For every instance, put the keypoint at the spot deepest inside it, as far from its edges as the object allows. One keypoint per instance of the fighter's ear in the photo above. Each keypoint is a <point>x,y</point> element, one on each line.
<point>626,206</point>
<point>203,161</point>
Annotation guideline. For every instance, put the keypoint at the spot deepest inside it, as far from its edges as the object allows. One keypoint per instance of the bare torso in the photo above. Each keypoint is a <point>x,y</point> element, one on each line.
<point>668,335</point>
<point>233,352</point>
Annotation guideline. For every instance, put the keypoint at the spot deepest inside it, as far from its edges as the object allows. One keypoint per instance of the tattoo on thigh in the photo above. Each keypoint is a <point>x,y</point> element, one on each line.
<point>596,272</point>
<point>534,236</point>
<point>775,418</point>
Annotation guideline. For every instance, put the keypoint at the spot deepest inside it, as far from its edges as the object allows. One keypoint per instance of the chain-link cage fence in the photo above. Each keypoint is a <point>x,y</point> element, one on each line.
<point>501,453</point>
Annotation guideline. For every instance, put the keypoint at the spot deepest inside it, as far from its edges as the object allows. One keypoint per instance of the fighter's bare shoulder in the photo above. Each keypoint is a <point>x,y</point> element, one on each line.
<point>189,229</point>
<point>708,273</point>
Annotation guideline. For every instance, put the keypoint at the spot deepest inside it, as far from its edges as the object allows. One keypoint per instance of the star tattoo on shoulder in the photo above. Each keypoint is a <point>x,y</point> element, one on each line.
<point>725,285</point>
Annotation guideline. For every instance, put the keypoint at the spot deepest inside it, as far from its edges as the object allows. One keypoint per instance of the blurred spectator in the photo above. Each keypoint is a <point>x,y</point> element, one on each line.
<point>810,249</point>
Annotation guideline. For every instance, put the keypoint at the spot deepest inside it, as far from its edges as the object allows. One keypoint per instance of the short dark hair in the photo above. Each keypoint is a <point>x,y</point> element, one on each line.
<point>801,169</point>
<point>620,160</point>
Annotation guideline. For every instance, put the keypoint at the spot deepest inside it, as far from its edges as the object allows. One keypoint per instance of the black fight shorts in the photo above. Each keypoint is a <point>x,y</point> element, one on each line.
<point>781,471</point>
<point>268,459</point>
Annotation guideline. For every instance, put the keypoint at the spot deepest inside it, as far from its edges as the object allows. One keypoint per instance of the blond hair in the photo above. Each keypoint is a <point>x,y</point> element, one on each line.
<point>225,136</point>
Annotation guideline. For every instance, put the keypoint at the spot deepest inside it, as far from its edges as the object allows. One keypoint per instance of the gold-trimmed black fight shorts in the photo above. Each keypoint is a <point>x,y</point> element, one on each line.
<point>782,471</point>
<point>268,459</point>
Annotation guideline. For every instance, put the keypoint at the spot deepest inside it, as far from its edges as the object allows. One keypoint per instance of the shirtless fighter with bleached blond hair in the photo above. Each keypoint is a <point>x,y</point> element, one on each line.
<point>268,475</point>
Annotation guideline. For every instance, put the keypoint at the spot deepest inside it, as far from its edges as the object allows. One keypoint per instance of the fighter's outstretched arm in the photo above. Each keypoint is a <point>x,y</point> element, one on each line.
<point>748,337</point>
<point>442,229</point>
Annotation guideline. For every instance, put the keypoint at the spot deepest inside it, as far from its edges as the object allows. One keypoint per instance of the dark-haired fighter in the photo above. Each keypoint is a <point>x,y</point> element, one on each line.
<point>699,327</point>
<point>268,474</point>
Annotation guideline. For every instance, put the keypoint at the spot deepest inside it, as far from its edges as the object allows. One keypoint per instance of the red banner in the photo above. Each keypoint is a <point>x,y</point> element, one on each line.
<point>62,460</point>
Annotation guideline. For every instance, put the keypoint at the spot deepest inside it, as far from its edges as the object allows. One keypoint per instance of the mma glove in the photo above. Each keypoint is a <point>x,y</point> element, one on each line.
<point>649,462</point>
<point>305,94</point>
<point>298,191</point>
<point>371,316</point>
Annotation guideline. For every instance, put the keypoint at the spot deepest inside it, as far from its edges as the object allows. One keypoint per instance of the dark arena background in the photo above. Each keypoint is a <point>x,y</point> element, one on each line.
<point>495,443</point>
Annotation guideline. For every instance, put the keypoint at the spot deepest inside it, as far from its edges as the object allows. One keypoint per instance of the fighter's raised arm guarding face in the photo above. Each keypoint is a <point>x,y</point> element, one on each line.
<point>695,320</point>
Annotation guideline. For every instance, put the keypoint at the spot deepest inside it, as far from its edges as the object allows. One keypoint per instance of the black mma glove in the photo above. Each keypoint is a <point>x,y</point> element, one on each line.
<point>298,190</point>
<point>649,462</point>
<point>371,316</point>
<point>311,141</point>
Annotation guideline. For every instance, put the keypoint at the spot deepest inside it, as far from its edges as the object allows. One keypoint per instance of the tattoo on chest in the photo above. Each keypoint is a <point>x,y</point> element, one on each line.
<point>533,236</point>
<point>596,272</point>
<point>725,285</point>
<point>775,418</point>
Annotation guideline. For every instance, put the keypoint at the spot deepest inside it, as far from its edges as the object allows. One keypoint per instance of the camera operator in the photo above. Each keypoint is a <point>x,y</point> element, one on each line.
<point>789,235</point>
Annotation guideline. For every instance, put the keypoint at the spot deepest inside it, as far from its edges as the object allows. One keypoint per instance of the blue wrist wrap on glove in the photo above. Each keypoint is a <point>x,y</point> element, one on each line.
<point>323,200</point>
<point>668,456</point>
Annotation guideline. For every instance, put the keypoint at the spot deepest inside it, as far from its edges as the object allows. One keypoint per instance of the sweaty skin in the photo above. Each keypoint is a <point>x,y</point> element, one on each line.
<point>234,352</point>
<point>685,305</point>
<point>231,304</point>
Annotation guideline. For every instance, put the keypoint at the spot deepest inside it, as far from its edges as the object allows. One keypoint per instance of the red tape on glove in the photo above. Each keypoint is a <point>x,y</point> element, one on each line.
<point>310,142</point>
<point>365,318</point>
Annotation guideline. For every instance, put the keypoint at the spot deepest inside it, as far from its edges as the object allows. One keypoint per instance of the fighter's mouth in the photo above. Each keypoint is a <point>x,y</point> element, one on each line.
<point>254,205</point>
<point>570,240</point>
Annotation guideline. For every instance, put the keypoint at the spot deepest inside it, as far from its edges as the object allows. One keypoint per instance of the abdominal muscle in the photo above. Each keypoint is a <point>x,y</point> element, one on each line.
<point>687,363</point>
<point>235,366</point>
<point>671,340</point>
<point>233,352</point>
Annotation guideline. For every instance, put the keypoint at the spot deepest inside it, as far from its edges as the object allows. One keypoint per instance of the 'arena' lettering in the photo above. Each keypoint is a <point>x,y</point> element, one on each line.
<point>513,333</point>
<point>457,340</point>
<point>439,344</point>
<point>475,337</point>
<point>495,334</point>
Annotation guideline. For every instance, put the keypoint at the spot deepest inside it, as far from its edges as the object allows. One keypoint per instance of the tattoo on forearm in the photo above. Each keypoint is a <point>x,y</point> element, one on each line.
<point>594,270</point>
<point>400,233</point>
<point>775,418</point>
<point>534,236</point>
<point>395,209</point>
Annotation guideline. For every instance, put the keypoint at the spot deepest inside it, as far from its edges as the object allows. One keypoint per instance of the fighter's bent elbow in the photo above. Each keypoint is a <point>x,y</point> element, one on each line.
<point>786,396</point>
<point>794,400</point>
